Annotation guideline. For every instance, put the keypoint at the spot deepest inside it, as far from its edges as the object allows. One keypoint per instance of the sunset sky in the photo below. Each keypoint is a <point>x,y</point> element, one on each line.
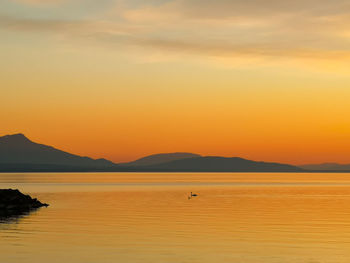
<point>260,79</point>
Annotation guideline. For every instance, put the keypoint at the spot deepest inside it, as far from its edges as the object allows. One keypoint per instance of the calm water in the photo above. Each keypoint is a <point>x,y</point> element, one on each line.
<point>239,218</point>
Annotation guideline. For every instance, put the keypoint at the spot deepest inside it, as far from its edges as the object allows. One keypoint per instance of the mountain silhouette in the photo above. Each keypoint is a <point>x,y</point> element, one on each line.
<point>19,154</point>
<point>219,164</point>
<point>326,167</point>
<point>18,151</point>
<point>155,159</point>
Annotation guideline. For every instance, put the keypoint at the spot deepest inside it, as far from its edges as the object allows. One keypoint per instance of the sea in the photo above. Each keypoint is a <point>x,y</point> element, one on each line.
<point>152,218</point>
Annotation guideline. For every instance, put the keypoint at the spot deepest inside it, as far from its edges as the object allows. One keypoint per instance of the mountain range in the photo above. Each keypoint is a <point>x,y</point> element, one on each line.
<point>218,164</point>
<point>20,154</point>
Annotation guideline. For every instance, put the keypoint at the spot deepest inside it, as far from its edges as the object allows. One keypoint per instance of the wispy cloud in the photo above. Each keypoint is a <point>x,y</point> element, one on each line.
<point>40,2</point>
<point>225,28</point>
<point>41,25</point>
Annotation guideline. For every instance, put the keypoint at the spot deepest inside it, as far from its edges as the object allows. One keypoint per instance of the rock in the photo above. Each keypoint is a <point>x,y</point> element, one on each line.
<point>13,202</point>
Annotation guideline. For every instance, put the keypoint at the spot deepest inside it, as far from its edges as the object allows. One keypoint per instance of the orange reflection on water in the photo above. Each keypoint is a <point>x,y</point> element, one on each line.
<point>247,218</point>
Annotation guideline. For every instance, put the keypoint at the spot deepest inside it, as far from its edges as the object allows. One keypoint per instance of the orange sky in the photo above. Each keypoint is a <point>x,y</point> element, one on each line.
<point>123,79</point>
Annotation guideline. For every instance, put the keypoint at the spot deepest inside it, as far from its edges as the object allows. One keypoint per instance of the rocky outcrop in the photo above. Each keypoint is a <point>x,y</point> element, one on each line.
<point>13,202</point>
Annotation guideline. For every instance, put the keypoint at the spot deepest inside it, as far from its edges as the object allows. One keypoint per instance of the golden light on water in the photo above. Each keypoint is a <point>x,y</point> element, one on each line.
<point>148,218</point>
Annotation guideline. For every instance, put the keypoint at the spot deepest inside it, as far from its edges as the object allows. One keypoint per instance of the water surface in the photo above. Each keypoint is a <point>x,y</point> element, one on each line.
<point>147,217</point>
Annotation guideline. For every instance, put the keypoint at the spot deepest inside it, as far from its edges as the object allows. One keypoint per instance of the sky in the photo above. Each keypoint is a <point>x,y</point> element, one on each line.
<point>120,79</point>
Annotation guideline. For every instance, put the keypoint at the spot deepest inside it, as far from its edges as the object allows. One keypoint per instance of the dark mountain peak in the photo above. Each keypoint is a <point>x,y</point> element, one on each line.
<point>161,158</point>
<point>13,138</point>
<point>18,150</point>
<point>104,161</point>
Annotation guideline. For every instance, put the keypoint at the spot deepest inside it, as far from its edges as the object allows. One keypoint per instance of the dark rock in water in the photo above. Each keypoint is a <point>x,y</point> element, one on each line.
<point>13,202</point>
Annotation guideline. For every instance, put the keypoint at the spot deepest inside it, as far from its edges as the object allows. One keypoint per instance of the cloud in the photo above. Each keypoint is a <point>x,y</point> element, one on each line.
<point>231,9</point>
<point>40,2</point>
<point>269,29</point>
<point>63,26</point>
<point>314,29</point>
<point>27,24</point>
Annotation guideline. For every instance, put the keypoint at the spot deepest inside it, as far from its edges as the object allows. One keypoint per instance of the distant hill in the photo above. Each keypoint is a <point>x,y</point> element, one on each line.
<point>326,167</point>
<point>219,164</point>
<point>160,158</point>
<point>18,152</point>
